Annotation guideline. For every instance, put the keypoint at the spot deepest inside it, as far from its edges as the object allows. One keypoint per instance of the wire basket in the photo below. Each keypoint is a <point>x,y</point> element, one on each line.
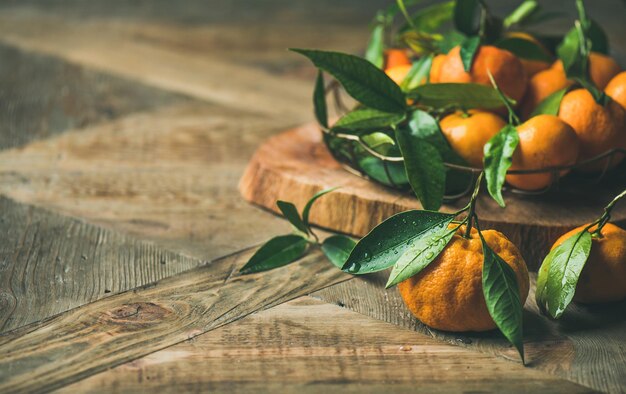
<point>352,152</point>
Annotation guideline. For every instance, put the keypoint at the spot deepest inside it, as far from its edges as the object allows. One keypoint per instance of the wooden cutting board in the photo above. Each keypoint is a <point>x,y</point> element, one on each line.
<point>295,164</point>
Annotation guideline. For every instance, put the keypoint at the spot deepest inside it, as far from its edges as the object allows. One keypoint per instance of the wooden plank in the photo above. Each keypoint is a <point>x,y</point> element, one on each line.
<point>309,346</point>
<point>127,326</point>
<point>50,264</point>
<point>295,164</point>
<point>203,75</point>
<point>168,176</point>
<point>42,96</point>
<point>585,346</point>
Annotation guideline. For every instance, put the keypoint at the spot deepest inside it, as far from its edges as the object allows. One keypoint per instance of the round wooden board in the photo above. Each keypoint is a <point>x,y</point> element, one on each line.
<point>295,164</point>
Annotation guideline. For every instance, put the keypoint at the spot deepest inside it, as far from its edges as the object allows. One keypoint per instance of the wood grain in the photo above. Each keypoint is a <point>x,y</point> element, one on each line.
<point>43,96</point>
<point>127,326</point>
<point>295,164</point>
<point>50,264</point>
<point>168,175</point>
<point>585,346</point>
<point>309,346</point>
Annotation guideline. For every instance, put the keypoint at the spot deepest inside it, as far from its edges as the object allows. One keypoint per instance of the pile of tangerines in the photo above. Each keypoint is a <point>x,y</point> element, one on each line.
<point>583,128</point>
<point>549,117</point>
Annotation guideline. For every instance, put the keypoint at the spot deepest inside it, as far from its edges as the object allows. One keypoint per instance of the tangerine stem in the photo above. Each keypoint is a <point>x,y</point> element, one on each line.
<point>606,216</point>
<point>472,206</point>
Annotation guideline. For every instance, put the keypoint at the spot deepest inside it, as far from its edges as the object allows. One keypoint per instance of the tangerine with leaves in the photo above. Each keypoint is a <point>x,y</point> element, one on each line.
<point>506,68</point>
<point>603,278</point>
<point>598,127</point>
<point>468,132</point>
<point>448,294</point>
<point>544,141</point>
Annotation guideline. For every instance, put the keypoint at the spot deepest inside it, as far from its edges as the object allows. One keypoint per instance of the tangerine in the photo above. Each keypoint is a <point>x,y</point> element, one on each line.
<point>448,293</point>
<point>506,68</point>
<point>603,278</point>
<point>599,128</point>
<point>544,141</point>
<point>467,133</point>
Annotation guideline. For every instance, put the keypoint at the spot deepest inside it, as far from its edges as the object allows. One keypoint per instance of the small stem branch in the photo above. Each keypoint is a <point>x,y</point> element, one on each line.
<point>606,216</point>
<point>472,206</point>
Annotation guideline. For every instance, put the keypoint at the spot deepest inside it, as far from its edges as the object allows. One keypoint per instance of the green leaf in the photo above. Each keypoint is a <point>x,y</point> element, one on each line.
<point>599,39</point>
<point>290,212</point>
<point>574,54</point>
<point>361,79</point>
<point>379,142</point>
<point>466,13</point>
<point>502,297</point>
<point>375,47</point>
<point>418,72</point>
<point>424,169</point>
<point>365,119</point>
<point>421,252</point>
<point>319,100</point>
<point>551,104</point>
<point>337,248</point>
<point>277,252</point>
<point>498,158</point>
<point>307,208</point>
<point>383,246</point>
<point>524,49</point>
<point>522,13</point>
<point>394,175</point>
<point>469,47</point>
<point>425,127</point>
<point>560,277</point>
<point>465,95</point>
<point>431,18</point>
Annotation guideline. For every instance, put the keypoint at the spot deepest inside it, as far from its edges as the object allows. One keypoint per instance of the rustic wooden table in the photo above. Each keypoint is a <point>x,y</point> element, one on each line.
<point>124,128</point>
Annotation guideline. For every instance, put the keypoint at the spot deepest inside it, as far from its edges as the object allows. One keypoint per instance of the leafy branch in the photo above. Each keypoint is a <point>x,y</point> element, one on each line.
<point>561,268</point>
<point>286,249</point>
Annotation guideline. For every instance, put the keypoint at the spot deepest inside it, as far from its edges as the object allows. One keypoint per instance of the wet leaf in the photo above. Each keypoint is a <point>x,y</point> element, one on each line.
<point>421,252</point>
<point>383,246</point>
<point>559,278</point>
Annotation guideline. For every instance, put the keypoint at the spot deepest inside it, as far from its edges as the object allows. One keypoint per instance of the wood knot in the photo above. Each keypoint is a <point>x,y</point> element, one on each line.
<point>138,312</point>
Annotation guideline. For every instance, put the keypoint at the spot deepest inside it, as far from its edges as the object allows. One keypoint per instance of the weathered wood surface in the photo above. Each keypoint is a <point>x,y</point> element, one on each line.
<point>126,326</point>
<point>586,346</point>
<point>168,175</point>
<point>294,165</point>
<point>309,346</point>
<point>50,264</point>
<point>212,80</point>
